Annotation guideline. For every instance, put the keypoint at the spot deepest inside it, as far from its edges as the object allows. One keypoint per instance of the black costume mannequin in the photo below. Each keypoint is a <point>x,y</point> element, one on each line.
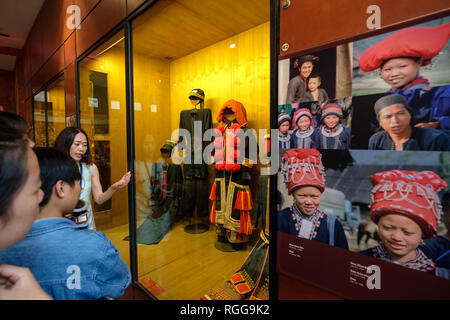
<point>195,182</point>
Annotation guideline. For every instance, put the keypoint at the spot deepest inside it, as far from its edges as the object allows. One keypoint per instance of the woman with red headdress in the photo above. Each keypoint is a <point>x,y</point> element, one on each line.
<point>405,206</point>
<point>304,177</point>
<point>399,58</point>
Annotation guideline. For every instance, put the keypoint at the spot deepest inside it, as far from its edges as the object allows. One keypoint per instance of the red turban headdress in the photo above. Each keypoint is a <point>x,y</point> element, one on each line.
<point>303,168</point>
<point>409,193</point>
<point>423,43</point>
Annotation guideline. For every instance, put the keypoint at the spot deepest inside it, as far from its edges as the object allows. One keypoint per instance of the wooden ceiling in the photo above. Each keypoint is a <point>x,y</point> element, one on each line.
<point>176,28</point>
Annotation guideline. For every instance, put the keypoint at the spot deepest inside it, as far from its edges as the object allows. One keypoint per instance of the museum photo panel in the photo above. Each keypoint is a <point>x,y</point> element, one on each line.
<point>377,207</point>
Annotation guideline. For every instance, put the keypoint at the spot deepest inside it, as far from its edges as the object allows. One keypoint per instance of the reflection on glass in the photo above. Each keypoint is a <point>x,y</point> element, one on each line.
<point>99,101</point>
<point>102,116</point>
<point>56,109</point>
<point>102,159</point>
<point>40,130</point>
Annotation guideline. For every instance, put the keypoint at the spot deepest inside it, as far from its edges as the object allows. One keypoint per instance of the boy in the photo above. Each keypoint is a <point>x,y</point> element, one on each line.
<point>315,93</point>
<point>284,123</point>
<point>332,135</point>
<point>69,262</point>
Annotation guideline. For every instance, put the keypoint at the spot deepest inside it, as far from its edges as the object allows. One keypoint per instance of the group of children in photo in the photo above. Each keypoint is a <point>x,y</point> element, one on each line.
<point>319,131</point>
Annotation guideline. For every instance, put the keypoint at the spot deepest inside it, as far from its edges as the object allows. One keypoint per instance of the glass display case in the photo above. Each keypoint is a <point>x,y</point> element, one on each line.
<point>191,64</point>
<point>188,62</point>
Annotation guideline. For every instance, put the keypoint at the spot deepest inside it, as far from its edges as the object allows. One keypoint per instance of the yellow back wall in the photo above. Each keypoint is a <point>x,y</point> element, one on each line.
<point>241,73</point>
<point>161,90</point>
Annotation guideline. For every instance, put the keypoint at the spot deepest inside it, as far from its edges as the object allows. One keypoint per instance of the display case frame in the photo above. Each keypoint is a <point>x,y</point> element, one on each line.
<point>127,26</point>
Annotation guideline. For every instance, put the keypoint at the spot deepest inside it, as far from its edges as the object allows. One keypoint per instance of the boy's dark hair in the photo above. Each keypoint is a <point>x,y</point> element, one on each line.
<point>315,75</point>
<point>55,166</point>
<point>13,170</point>
<point>65,140</point>
<point>12,126</point>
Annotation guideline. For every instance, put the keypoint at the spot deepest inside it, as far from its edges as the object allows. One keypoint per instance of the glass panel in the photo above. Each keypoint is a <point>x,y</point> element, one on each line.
<point>40,132</point>
<point>56,109</point>
<point>103,117</point>
<point>178,48</point>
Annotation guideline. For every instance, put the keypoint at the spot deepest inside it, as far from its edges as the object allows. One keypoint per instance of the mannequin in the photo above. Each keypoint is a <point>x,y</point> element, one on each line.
<point>232,200</point>
<point>195,181</point>
<point>197,98</point>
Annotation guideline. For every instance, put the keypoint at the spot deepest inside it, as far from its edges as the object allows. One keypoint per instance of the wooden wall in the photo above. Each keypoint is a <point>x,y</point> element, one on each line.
<point>7,90</point>
<point>52,47</point>
<point>308,24</point>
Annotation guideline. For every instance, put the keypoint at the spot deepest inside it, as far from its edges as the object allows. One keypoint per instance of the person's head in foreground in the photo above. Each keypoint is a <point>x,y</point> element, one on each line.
<point>20,192</point>
<point>60,182</point>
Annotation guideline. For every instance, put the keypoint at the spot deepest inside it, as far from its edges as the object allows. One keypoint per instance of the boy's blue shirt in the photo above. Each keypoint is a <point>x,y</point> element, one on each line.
<point>69,262</point>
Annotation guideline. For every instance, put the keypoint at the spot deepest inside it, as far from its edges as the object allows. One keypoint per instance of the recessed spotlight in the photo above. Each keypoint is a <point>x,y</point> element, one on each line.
<point>232,45</point>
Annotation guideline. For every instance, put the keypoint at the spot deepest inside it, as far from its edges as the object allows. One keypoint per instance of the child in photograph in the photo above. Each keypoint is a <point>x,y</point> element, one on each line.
<point>405,206</point>
<point>303,135</point>
<point>399,57</point>
<point>284,137</point>
<point>315,93</point>
<point>56,249</point>
<point>332,135</point>
<point>304,177</point>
